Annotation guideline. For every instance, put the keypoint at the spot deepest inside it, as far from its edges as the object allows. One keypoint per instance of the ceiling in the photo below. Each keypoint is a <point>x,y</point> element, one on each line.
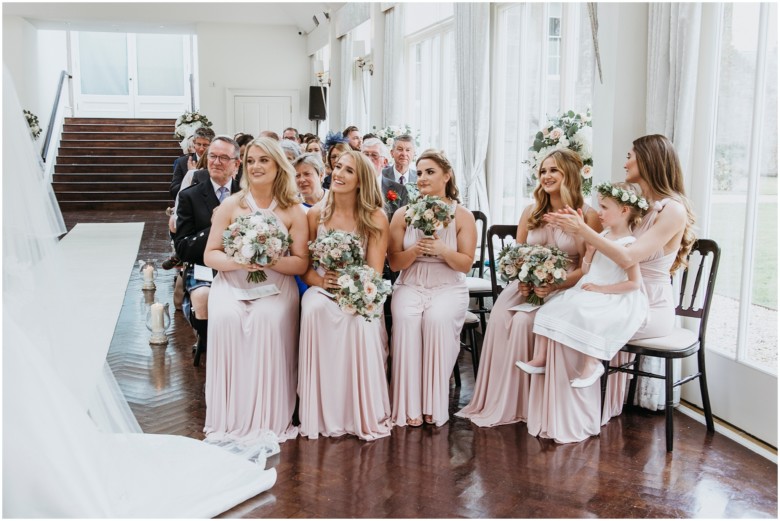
<point>169,17</point>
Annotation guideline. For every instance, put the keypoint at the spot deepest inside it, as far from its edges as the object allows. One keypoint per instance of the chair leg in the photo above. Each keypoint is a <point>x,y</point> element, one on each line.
<point>456,372</point>
<point>604,381</point>
<point>474,352</point>
<point>705,395</point>
<point>669,404</point>
<point>634,380</point>
<point>482,311</point>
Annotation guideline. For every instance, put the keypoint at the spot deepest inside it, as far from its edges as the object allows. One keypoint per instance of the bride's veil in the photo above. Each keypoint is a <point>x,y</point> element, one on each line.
<point>59,458</point>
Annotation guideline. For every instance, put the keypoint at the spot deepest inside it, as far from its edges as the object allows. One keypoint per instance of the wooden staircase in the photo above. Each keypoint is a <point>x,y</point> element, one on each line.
<point>115,164</point>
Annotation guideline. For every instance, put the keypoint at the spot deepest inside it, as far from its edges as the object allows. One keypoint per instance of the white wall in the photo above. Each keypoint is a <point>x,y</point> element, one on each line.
<point>52,59</point>
<point>20,54</point>
<point>243,56</point>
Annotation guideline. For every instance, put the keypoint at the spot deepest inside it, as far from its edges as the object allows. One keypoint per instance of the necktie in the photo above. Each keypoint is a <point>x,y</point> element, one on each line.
<point>401,179</point>
<point>223,192</point>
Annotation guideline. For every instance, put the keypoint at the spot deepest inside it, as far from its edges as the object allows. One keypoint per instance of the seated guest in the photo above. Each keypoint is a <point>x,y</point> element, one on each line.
<point>309,172</point>
<point>291,134</point>
<point>291,149</point>
<point>314,146</point>
<point>394,194</point>
<point>243,140</point>
<point>253,360</point>
<point>335,145</point>
<point>430,299</point>
<point>402,153</point>
<point>352,135</point>
<point>201,139</point>
<point>341,374</point>
<point>270,133</point>
<point>196,205</point>
<point>185,183</point>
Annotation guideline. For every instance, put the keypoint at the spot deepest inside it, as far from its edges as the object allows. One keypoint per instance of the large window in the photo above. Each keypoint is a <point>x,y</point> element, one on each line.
<point>431,92</point>
<point>359,100</point>
<point>543,64</point>
<point>744,200</point>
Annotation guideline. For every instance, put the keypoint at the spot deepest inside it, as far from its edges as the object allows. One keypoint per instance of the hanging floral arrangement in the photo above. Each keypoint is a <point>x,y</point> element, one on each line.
<point>188,122</point>
<point>33,123</point>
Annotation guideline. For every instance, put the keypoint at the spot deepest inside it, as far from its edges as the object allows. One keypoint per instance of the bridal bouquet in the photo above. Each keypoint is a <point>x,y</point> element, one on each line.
<point>188,122</point>
<point>363,292</point>
<point>533,264</point>
<point>429,213</point>
<point>569,130</point>
<point>255,239</point>
<point>336,250</point>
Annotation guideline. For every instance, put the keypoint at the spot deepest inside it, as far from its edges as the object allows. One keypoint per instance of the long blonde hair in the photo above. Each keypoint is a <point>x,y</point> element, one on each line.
<point>284,189</point>
<point>571,186</point>
<point>659,167</point>
<point>368,197</point>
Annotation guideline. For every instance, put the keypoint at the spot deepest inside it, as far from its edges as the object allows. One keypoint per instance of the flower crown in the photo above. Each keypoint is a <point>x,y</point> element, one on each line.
<point>622,195</point>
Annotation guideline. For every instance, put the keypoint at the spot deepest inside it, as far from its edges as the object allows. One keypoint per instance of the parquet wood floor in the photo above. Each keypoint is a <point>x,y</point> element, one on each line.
<point>458,470</point>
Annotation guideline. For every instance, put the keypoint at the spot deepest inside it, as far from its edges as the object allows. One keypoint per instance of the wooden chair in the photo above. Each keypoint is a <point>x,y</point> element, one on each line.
<point>681,343</point>
<point>501,235</point>
<point>469,330</point>
<point>479,288</point>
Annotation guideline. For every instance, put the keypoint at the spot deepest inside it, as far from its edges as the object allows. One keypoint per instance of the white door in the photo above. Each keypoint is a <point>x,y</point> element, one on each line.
<point>253,114</point>
<point>130,75</point>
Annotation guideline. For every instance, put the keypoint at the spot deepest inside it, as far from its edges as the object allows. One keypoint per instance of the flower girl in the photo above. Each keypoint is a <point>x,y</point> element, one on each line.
<point>606,307</point>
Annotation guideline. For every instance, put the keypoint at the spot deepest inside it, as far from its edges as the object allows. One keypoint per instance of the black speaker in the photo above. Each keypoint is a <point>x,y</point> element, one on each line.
<point>317,99</point>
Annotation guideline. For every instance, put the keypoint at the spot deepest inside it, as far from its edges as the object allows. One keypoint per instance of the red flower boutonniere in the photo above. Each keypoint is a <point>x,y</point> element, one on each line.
<point>392,196</point>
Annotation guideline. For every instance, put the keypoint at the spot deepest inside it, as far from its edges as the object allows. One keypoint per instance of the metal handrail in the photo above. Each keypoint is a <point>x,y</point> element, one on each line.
<point>50,128</point>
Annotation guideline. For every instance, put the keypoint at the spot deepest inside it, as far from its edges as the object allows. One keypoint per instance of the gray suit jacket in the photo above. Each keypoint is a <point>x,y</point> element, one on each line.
<point>409,177</point>
<point>400,191</point>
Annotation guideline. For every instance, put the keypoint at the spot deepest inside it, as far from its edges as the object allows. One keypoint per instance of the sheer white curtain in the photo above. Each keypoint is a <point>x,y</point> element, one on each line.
<point>673,85</point>
<point>345,77</point>
<point>472,53</point>
<point>393,77</point>
<point>65,455</point>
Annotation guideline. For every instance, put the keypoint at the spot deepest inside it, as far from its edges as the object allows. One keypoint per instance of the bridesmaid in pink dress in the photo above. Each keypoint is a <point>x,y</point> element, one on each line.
<point>430,299</point>
<point>342,380</point>
<point>501,390</point>
<point>253,344</point>
<point>653,164</point>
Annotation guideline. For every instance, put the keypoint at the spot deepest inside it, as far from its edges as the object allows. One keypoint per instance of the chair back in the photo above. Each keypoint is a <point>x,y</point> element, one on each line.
<point>690,296</point>
<point>498,236</point>
<point>482,226</point>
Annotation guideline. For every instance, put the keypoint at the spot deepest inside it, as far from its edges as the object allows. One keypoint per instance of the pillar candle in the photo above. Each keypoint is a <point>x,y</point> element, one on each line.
<point>157,317</point>
<point>148,273</point>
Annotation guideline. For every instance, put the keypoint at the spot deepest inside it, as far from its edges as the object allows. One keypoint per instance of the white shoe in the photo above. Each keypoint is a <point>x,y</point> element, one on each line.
<point>590,380</point>
<point>530,369</point>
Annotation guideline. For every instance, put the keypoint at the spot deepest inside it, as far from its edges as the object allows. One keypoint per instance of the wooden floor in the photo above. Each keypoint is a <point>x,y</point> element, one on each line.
<point>458,470</point>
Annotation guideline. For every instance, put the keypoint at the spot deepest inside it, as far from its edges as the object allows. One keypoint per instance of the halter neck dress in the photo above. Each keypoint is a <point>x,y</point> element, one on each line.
<point>251,371</point>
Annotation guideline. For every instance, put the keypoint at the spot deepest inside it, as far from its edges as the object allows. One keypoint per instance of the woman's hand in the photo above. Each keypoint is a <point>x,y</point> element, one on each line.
<point>592,287</point>
<point>525,288</point>
<point>331,281</point>
<point>568,220</point>
<point>543,291</point>
<point>191,163</point>
<point>432,246</point>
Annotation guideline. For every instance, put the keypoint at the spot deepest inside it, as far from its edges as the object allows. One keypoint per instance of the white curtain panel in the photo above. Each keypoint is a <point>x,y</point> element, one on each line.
<point>674,33</point>
<point>345,43</point>
<point>393,77</point>
<point>472,52</point>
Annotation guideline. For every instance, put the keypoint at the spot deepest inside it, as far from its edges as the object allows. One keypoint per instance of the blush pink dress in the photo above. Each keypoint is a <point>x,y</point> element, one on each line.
<point>656,285</point>
<point>429,306</point>
<point>342,382</point>
<point>251,371</point>
<point>501,390</point>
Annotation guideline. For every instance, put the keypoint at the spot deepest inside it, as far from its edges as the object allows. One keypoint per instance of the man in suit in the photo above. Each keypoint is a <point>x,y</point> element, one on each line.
<point>394,194</point>
<point>291,134</point>
<point>193,224</point>
<point>402,152</point>
<point>352,135</point>
<point>200,142</point>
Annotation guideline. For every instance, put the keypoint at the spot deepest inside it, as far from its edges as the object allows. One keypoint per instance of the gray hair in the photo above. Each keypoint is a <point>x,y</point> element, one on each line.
<point>405,138</point>
<point>311,159</point>
<point>292,146</point>
<point>229,140</point>
<point>374,141</point>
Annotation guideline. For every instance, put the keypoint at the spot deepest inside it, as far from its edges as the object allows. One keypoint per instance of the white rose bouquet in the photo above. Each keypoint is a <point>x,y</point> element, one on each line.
<point>536,265</point>
<point>188,122</point>
<point>336,250</point>
<point>569,130</point>
<point>33,123</point>
<point>389,133</point>
<point>363,292</point>
<point>429,213</point>
<point>255,239</point>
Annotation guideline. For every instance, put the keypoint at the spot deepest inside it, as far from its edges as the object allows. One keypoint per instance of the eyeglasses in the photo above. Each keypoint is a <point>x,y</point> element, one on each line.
<point>220,159</point>
<point>372,155</point>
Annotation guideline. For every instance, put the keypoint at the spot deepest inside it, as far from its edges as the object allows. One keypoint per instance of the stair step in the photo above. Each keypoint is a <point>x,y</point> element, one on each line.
<point>124,169</point>
<point>112,177</point>
<point>118,144</point>
<point>93,127</point>
<point>123,136</point>
<point>115,121</point>
<point>168,153</point>
<point>110,186</point>
<point>114,205</point>
<point>116,160</point>
<point>114,196</point>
